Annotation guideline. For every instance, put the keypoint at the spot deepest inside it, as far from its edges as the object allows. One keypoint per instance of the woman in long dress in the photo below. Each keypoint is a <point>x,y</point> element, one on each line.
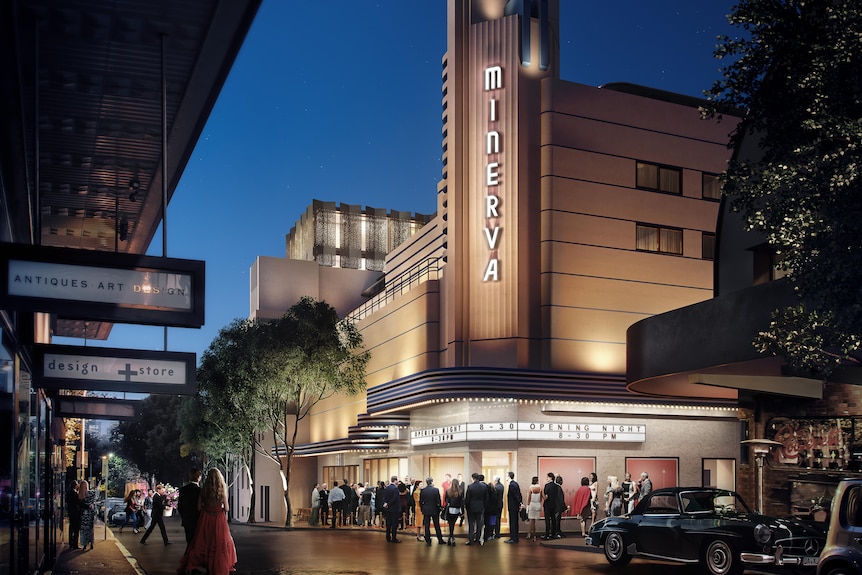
<point>212,547</point>
<point>87,501</point>
<point>534,507</point>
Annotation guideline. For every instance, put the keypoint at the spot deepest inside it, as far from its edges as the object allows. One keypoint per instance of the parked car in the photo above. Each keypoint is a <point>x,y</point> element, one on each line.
<point>843,552</point>
<point>713,527</point>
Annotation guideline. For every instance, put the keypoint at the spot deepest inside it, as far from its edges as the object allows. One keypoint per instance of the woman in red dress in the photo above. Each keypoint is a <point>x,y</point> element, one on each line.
<point>212,549</point>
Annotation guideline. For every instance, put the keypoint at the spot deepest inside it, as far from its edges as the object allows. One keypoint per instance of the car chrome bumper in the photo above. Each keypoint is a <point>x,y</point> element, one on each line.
<point>778,559</point>
<point>588,540</point>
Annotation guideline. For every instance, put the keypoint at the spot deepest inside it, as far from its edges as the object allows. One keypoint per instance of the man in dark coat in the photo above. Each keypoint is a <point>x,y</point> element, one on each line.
<point>475,502</point>
<point>73,510</point>
<point>549,498</point>
<point>514,502</point>
<point>160,502</point>
<point>429,503</point>
<point>188,504</point>
<point>392,509</point>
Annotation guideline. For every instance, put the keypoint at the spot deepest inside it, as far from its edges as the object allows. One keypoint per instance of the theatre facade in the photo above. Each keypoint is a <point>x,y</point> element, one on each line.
<point>497,330</point>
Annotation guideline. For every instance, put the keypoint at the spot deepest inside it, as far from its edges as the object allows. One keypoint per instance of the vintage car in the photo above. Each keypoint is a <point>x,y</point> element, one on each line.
<point>711,526</point>
<point>843,552</point>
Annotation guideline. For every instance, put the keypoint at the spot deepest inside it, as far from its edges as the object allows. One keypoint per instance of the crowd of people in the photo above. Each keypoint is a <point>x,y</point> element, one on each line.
<point>413,506</point>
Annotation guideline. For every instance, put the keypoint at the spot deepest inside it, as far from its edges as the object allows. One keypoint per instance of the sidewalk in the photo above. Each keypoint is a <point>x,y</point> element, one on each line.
<point>108,557</point>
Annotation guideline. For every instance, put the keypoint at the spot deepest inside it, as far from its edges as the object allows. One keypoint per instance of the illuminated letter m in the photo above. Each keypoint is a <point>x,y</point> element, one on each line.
<point>493,78</point>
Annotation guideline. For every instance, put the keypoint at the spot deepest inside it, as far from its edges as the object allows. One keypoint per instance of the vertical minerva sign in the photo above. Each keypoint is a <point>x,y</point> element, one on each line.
<point>493,79</point>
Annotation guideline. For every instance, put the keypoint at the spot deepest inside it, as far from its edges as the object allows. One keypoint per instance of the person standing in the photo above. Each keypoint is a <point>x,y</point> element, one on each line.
<point>366,498</point>
<point>324,505</point>
<point>594,496</point>
<point>392,508</point>
<point>159,504</point>
<point>582,504</point>
<point>87,501</point>
<point>73,512</point>
<point>645,486</point>
<point>314,518</point>
<point>336,504</point>
<point>534,506</point>
<point>514,503</point>
<point>454,508</point>
<point>212,549</point>
<point>476,501</point>
<point>379,511</point>
<point>615,497</point>
<point>496,492</point>
<point>629,490</point>
<point>561,508</point>
<point>549,506</point>
<point>188,504</point>
<point>429,506</point>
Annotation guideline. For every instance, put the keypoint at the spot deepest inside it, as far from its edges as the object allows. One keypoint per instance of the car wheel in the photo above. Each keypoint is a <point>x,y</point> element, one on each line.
<point>719,559</point>
<point>615,550</point>
<point>841,570</point>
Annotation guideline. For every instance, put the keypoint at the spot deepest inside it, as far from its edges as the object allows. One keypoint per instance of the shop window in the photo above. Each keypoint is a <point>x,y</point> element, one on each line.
<point>711,187</point>
<point>658,239</point>
<point>659,178</point>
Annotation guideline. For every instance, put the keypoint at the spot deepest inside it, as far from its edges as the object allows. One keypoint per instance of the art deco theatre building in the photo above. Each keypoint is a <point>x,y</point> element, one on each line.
<point>497,330</point>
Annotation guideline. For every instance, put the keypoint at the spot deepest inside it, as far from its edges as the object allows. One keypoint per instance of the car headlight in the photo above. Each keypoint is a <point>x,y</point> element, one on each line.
<point>762,533</point>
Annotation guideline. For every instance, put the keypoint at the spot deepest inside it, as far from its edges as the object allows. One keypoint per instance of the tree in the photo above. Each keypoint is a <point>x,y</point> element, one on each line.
<point>309,355</point>
<point>797,72</point>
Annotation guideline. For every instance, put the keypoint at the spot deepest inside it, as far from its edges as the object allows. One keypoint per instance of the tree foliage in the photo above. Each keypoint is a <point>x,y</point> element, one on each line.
<point>797,72</point>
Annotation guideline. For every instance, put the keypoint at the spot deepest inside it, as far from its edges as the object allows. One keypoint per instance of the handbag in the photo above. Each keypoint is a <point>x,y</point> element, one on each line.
<point>454,511</point>
<point>523,514</point>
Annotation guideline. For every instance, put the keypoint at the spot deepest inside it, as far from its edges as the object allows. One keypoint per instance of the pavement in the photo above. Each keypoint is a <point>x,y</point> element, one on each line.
<point>122,554</point>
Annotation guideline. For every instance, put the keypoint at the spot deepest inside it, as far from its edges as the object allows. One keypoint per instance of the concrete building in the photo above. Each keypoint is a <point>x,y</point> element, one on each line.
<point>566,213</point>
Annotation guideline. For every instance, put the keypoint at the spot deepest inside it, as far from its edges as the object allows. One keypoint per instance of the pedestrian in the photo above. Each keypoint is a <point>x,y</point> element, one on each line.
<point>404,500</point>
<point>594,496</point>
<point>392,507</point>
<point>133,505</point>
<point>212,550</point>
<point>346,503</point>
<point>324,505</point>
<point>429,509</point>
<point>496,492</point>
<point>379,510</point>
<point>561,508</point>
<point>629,490</point>
<point>475,502</point>
<point>87,501</point>
<point>514,504</point>
<point>645,485</point>
<point>314,517</point>
<point>454,508</point>
<point>366,501</point>
<point>534,507</point>
<point>615,497</point>
<point>73,511</point>
<point>336,504</point>
<point>418,515</point>
<point>148,509</point>
<point>159,504</point>
<point>188,504</point>
<point>549,506</point>
<point>582,504</point>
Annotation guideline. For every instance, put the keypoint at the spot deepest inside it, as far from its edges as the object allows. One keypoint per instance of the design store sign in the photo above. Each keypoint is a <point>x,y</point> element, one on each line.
<point>529,431</point>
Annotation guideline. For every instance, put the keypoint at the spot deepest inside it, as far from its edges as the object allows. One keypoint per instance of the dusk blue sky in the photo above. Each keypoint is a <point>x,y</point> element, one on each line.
<point>341,101</point>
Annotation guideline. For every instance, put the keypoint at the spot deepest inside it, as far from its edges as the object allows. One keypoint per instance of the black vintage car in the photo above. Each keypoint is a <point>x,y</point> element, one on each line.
<point>711,526</point>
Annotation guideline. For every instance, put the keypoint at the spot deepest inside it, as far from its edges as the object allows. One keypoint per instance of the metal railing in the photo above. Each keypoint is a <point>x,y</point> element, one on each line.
<point>421,272</point>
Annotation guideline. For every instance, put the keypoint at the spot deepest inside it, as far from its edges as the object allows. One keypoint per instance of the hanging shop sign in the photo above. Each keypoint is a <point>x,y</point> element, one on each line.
<point>102,286</point>
<point>108,369</point>
<point>111,409</point>
<point>493,78</point>
<point>530,431</point>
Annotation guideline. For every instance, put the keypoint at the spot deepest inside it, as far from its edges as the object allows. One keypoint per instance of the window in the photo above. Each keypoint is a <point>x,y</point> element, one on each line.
<point>662,505</point>
<point>659,178</point>
<point>708,246</point>
<point>711,187</point>
<point>659,239</point>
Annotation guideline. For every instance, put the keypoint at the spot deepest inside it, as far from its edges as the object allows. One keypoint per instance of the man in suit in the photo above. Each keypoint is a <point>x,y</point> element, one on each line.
<point>476,501</point>
<point>549,504</point>
<point>392,509</point>
<point>429,503</point>
<point>515,503</point>
<point>188,504</point>
<point>159,504</point>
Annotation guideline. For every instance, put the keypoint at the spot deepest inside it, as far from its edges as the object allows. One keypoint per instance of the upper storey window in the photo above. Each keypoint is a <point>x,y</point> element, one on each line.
<point>658,239</point>
<point>659,178</point>
<point>711,187</point>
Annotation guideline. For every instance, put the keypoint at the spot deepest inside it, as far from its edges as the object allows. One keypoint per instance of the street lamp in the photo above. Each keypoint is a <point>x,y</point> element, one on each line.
<point>105,460</point>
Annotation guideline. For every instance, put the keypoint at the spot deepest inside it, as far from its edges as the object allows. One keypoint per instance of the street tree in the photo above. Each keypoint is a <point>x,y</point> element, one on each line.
<point>308,356</point>
<point>796,71</point>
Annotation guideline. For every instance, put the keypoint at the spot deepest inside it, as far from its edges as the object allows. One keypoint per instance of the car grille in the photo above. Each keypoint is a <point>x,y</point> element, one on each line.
<point>801,546</point>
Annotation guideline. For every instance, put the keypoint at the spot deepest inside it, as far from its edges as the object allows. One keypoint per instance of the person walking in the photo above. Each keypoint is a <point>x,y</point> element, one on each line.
<point>534,506</point>
<point>429,507</point>
<point>133,506</point>
<point>336,504</point>
<point>73,512</point>
<point>212,550</point>
<point>582,505</point>
<point>87,501</point>
<point>392,507</point>
<point>475,502</point>
<point>514,504</point>
<point>148,509</point>
<point>159,504</point>
<point>188,504</point>
<point>454,508</point>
